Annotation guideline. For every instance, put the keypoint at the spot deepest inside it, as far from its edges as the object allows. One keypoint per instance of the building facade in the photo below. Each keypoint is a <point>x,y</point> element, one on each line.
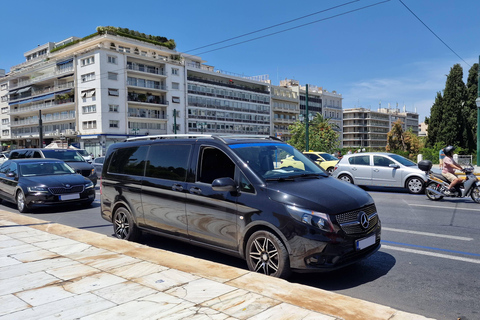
<point>365,128</point>
<point>106,87</point>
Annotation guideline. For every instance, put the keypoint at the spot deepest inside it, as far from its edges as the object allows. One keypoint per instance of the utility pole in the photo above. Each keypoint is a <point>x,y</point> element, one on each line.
<point>478,115</point>
<point>307,119</point>
<point>175,121</point>
<point>40,129</point>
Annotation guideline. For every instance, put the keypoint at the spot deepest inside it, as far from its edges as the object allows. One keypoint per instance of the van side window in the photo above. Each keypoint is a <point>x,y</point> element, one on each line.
<point>214,164</point>
<point>36,154</point>
<point>129,161</point>
<point>166,161</point>
<point>360,160</point>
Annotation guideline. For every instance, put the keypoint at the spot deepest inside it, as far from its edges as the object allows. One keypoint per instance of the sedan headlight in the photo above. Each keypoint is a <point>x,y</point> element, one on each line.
<point>312,218</point>
<point>37,189</point>
<point>89,185</point>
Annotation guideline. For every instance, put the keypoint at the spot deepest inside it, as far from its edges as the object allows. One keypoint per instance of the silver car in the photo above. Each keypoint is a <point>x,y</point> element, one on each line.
<point>381,169</point>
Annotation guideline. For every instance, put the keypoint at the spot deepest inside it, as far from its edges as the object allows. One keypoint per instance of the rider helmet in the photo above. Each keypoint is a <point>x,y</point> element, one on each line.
<point>449,151</point>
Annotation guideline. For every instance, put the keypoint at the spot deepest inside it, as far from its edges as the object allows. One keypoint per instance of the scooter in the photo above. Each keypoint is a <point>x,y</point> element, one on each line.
<point>437,184</point>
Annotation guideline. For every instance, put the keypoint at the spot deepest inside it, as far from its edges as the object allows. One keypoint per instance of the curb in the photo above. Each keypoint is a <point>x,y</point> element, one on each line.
<point>313,299</point>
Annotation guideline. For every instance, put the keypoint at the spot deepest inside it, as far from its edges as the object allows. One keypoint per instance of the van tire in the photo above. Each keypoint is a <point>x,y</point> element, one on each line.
<point>123,225</point>
<point>266,254</point>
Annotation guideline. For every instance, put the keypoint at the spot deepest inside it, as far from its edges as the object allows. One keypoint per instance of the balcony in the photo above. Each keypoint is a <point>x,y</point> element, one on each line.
<point>147,69</point>
<point>55,74</point>
<point>147,99</point>
<point>64,103</point>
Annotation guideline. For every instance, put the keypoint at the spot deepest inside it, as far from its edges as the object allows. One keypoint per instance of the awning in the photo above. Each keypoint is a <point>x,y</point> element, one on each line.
<point>88,93</point>
<point>13,92</point>
<point>47,96</point>
<point>24,89</point>
<point>64,62</point>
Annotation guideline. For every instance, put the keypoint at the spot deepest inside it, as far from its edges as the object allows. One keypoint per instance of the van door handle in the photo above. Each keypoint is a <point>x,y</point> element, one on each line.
<point>177,187</point>
<point>195,190</point>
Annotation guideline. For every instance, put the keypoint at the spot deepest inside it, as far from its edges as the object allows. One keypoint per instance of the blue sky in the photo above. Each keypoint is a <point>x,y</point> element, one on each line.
<point>381,54</point>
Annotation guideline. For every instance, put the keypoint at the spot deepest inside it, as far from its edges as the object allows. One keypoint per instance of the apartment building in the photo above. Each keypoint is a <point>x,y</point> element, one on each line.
<point>365,128</point>
<point>108,86</point>
<point>328,104</point>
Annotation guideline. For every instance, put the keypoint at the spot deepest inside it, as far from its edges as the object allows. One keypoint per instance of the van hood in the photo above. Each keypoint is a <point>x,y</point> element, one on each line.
<point>326,194</point>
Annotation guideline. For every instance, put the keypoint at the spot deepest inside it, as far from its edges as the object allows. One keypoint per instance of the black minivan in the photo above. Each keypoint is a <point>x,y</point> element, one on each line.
<point>232,194</point>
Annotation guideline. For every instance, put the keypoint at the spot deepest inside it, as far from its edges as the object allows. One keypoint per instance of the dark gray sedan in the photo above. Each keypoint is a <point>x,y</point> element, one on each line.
<point>43,182</point>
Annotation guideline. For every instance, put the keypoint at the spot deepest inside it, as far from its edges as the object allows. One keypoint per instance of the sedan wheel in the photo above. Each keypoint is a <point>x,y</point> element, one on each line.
<point>266,254</point>
<point>346,178</point>
<point>123,225</point>
<point>415,185</point>
<point>21,202</point>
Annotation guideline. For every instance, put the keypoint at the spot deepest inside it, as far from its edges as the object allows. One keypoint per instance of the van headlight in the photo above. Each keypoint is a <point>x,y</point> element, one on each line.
<point>312,218</point>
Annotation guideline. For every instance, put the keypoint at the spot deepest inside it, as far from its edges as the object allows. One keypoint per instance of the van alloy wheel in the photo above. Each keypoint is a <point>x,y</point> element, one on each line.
<point>123,225</point>
<point>266,254</point>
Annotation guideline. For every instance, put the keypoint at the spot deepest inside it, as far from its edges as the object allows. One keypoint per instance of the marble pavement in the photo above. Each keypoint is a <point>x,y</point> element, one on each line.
<point>52,271</point>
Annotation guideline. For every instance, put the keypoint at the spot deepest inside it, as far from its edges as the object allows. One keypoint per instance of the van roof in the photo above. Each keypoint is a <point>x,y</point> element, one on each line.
<point>225,138</point>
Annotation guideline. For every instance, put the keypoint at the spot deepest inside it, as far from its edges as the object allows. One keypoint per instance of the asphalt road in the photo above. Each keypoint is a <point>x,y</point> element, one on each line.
<point>429,263</point>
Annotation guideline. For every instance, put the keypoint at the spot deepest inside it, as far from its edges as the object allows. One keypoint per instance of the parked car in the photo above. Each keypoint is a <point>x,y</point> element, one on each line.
<point>42,182</point>
<point>324,160</point>
<point>3,158</point>
<point>87,156</point>
<point>97,163</point>
<point>230,194</point>
<point>70,156</point>
<point>381,169</point>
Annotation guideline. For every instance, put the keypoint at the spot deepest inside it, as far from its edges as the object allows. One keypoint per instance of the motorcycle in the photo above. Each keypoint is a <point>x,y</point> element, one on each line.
<point>437,184</point>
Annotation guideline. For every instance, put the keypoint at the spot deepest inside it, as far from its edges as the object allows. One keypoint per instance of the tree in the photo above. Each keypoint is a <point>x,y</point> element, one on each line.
<point>452,118</point>
<point>470,110</point>
<point>402,142</point>
<point>321,135</point>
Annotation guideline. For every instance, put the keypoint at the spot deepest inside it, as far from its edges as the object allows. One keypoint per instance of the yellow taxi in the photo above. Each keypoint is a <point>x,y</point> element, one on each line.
<point>325,160</point>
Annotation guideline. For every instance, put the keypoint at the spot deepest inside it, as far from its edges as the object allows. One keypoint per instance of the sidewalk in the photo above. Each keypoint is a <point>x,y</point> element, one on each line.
<point>52,271</point>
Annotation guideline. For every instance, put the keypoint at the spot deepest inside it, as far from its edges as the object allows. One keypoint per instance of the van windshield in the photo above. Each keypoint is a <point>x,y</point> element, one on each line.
<point>276,161</point>
<point>65,155</point>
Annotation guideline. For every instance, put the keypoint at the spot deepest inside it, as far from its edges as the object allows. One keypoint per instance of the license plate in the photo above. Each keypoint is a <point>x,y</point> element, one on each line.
<point>366,242</point>
<point>70,196</point>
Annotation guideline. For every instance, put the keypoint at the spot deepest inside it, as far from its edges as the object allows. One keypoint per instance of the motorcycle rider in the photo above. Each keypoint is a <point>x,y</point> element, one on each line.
<point>448,171</point>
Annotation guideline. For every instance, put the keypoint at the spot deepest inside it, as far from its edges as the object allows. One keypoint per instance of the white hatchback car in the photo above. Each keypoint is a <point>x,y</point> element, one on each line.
<point>381,169</point>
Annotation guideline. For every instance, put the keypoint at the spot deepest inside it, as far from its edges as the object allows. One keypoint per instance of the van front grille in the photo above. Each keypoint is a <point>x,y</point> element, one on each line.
<point>349,221</point>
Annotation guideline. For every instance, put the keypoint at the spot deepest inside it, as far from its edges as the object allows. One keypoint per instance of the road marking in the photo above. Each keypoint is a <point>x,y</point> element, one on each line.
<point>428,234</point>
<point>432,254</point>
<point>440,207</point>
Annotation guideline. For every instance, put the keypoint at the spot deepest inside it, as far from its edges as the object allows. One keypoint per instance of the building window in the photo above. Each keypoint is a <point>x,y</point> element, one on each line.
<point>175,85</point>
<point>89,109</point>
<point>88,77</point>
<point>88,93</point>
<point>113,108</point>
<point>5,132</point>
<point>87,61</point>
<point>113,92</point>
<point>4,98</point>
<point>175,71</point>
<point>89,124</point>
<point>176,99</point>
<point>5,110</point>
<point>112,59</point>
<point>5,121</point>
<point>114,123</point>
<point>4,86</point>
<point>124,49</point>
<point>112,76</point>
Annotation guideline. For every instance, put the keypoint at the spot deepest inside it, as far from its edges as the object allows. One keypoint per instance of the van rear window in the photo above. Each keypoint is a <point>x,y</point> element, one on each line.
<point>129,161</point>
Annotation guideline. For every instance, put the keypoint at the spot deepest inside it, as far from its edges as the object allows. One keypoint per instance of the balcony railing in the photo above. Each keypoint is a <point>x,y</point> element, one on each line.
<point>147,69</point>
<point>42,106</point>
<point>21,83</point>
<point>45,119</point>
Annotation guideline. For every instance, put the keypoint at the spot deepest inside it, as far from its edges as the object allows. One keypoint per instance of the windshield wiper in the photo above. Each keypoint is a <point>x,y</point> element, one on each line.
<point>280,179</point>
<point>306,175</point>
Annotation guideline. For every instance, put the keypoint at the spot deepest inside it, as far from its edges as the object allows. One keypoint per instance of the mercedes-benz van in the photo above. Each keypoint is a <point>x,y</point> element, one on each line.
<point>231,194</point>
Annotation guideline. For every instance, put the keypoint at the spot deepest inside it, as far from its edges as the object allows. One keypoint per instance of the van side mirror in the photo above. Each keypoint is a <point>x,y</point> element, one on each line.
<point>224,185</point>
